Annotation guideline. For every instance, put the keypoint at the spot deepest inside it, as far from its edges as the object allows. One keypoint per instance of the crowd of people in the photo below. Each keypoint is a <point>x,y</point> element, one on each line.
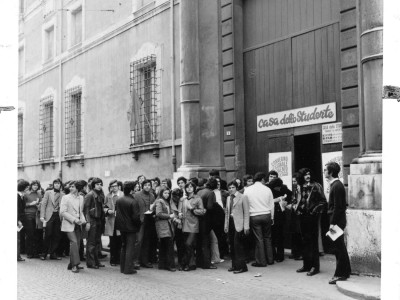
<point>203,221</point>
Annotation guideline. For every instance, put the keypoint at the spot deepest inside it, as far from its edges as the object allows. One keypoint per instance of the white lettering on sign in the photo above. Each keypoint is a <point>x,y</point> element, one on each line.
<point>332,133</point>
<point>324,113</point>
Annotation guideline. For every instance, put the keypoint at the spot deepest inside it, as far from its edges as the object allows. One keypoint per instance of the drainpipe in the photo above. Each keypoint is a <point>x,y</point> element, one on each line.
<point>172,86</point>
<point>60,87</point>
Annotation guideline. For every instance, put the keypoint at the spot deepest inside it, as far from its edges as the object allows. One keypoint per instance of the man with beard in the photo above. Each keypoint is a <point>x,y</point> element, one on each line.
<point>203,251</point>
<point>312,203</point>
<point>49,216</point>
<point>94,213</point>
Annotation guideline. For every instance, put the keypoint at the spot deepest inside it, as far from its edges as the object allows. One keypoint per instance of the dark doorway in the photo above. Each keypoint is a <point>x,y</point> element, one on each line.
<point>307,154</point>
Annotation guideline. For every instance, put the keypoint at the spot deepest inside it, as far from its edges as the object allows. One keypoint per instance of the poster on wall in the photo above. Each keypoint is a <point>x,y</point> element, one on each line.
<point>281,162</point>
<point>332,133</point>
<point>328,157</point>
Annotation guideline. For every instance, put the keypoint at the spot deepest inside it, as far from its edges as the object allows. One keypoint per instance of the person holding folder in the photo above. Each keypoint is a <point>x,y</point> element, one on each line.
<point>337,212</point>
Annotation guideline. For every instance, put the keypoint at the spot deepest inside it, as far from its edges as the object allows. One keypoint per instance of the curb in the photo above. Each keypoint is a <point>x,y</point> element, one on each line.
<point>361,287</point>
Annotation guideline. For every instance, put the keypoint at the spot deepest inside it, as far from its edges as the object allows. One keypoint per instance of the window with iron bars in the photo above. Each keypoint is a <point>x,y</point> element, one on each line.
<point>73,121</point>
<point>20,137</point>
<point>46,129</point>
<point>143,86</point>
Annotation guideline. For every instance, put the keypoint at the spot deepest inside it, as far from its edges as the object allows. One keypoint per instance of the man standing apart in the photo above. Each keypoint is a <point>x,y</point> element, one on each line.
<point>337,212</point>
<point>49,215</point>
<point>94,213</point>
<point>261,208</point>
<point>128,222</point>
<point>22,188</point>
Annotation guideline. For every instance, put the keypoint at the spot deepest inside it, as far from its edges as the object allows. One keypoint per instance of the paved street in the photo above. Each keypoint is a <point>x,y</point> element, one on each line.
<point>51,280</point>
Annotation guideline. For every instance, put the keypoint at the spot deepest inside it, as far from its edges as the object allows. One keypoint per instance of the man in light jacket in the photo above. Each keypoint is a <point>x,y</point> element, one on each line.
<point>237,225</point>
<point>109,210</point>
<point>49,216</point>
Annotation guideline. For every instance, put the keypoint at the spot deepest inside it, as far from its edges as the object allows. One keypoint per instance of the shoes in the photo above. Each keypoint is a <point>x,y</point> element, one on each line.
<point>92,267</point>
<point>279,260</point>
<point>130,273</point>
<point>36,256</point>
<point>312,272</point>
<point>136,267</point>
<point>43,257</point>
<point>113,265</point>
<point>20,259</point>
<point>334,279</point>
<point>239,271</point>
<point>255,264</point>
<point>101,265</point>
<point>148,265</point>
<point>192,268</point>
<point>29,256</point>
<point>302,269</point>
<point>54,257</point>
<point>101,255</point>
<point>231,269</point>
<point>171,269</point>
<point>75,269</point>
<point>298,258</point>
<point>211,267</point>
<point>70,267</point>
<point>186,269</point>
<point>321,254</point>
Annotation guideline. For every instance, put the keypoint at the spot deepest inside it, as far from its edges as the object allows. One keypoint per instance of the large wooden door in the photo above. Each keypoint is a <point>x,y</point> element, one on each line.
<point>291,60</point>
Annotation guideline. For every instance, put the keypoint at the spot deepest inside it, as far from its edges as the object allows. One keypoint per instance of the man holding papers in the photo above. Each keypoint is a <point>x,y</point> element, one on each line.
<point>337,212</point>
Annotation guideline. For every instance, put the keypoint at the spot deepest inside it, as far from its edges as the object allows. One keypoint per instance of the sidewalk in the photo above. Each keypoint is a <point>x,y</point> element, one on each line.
<point>356,287</point>
<point>361,287</point>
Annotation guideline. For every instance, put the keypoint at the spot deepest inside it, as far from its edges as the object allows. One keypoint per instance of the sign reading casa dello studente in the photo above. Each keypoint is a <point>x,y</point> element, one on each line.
<point>324,113</point>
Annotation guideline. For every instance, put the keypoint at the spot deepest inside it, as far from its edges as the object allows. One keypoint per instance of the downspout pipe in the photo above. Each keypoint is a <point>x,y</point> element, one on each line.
<point>60,87</point>
<point>173,115</point>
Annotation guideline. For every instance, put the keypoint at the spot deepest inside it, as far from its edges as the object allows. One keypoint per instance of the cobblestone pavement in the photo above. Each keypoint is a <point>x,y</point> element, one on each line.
<point>51,280</point>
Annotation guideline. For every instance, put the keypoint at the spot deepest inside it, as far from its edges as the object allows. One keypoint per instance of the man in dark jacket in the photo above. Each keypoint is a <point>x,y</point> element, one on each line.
<point>95,218</point>
<point>203,251</point>
<point>282,196</point>
<point>147,236</point>
<point>22,188</point>
<point>312,203</point>
<point>128,222</point>
<point>337,212</point>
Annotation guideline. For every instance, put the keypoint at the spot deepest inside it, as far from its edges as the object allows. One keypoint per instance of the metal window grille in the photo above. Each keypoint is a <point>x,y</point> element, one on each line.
<point>143,87</point>
<point>73,121</point>
<point>46,130</point>
<point>20,137</point>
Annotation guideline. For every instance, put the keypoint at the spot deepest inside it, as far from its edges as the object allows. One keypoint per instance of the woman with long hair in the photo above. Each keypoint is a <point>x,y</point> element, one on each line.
<point>31,221</point>
<point>71,211</point>
<point>164,228</point>
<point>191,208</point>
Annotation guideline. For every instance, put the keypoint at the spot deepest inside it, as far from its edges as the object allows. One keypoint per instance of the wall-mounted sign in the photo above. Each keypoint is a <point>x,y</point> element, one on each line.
<point>324,113</point>
<point>332,133</point>
<point>337,157</point>
<point>281,162</point>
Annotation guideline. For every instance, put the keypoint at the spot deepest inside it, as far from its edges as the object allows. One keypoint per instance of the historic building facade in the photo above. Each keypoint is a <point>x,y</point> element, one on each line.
<point>116,89</point>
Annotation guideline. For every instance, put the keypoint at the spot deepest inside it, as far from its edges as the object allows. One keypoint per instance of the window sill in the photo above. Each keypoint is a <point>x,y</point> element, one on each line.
<point>75,157</point>
<point>45,161</point>
<point>136,149</point>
